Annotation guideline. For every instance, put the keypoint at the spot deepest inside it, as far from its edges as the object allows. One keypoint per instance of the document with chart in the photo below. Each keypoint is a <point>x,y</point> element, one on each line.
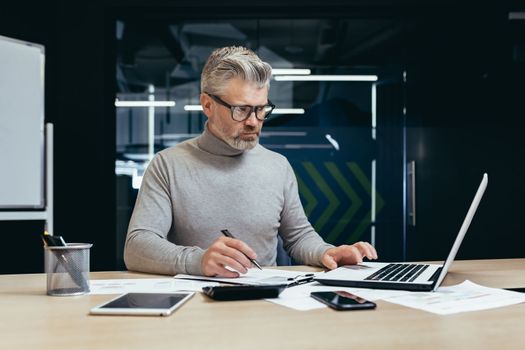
<point>463,297</point>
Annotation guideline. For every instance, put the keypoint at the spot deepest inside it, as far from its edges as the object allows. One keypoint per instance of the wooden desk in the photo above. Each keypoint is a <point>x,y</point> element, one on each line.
<point>31,320</point>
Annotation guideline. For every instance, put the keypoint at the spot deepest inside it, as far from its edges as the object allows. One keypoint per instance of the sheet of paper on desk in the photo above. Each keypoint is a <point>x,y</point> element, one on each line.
<point>298,297</point>
<point>254,276</point>
<point>463,297</point>
<point>146,285</point>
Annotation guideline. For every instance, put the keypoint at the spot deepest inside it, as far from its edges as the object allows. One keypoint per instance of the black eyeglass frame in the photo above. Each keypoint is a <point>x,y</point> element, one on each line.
<point>252,108</point>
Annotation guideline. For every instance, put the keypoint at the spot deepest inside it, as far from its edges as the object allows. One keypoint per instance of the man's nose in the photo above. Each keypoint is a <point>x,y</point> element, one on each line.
<point>252,119</point>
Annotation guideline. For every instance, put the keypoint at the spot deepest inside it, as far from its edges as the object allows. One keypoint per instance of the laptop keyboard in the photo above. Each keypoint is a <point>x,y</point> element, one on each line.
<point>398,272</point>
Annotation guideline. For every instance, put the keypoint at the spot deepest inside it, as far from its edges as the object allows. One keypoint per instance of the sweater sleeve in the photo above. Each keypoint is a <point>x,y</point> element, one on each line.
<point>299,237</point>
<point>147,248</point>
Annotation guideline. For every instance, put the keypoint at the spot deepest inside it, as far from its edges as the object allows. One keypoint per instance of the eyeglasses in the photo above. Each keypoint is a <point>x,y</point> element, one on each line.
<point>241,113</point>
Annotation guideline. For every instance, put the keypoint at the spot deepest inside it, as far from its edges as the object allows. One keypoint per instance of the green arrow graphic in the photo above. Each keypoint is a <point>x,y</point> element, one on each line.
<point>366,221</point>
<point>311,201</point>
<point>355,201</point>
<point>333,202</point>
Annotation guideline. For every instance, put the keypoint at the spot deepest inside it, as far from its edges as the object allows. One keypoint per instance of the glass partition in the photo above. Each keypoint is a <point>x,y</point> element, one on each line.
<point>338,118</point>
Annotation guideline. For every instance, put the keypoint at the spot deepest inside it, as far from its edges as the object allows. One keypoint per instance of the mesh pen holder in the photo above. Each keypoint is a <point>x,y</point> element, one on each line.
<point>67,269</point>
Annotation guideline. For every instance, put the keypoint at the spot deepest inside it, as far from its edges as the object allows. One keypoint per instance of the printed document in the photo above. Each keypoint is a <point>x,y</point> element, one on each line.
<point>146,285</point>
<point>463,297</point>
<point>254,277</point>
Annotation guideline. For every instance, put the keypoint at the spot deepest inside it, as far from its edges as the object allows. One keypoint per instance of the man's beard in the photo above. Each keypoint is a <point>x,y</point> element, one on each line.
<point>240,144</point>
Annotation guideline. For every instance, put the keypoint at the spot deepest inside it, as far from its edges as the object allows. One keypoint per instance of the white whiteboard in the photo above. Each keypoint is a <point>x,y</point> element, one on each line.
<point>21,124</point>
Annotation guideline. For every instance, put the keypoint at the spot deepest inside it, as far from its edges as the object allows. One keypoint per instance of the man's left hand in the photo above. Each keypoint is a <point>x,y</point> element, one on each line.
<point>348,255</point>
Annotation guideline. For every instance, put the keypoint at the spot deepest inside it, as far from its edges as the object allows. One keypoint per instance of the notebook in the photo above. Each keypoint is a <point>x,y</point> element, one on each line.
<point>403,276</point>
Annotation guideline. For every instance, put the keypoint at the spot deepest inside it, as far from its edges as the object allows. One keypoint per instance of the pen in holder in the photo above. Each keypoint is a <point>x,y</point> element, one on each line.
<point>67,269</point>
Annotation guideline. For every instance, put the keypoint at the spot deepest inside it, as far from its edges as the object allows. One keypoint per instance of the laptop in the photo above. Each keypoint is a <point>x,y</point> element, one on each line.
<point>402,276</point>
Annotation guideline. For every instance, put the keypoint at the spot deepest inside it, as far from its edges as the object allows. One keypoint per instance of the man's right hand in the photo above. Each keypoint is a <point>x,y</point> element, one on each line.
<point>224,252</point>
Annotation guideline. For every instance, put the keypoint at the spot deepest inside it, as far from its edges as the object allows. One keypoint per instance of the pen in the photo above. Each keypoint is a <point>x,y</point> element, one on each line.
<point>65,260</point>
<point>53,241</point>
<point>309,277</point>
<point>228,234</point>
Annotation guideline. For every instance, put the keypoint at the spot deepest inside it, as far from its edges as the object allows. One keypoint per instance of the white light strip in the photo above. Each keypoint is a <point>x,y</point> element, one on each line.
<point>373,193</point>
<point>190,108</point>
<point>374,106</point>
<point>374,110</point>
<point>516,15</point>
<point>144,103</point>
<point>266,133</point>
<point>193,108</point>
<point>326,78</point>
<point>332,141</point>
<point>373,206</point>
<point>288,111</point>
<point>151,121</point>
<point>290,71</point>
<point>299,146</point>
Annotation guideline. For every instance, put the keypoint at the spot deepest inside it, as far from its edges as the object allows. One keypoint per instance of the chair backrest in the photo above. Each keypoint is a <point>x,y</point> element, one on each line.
<point>283,259</point>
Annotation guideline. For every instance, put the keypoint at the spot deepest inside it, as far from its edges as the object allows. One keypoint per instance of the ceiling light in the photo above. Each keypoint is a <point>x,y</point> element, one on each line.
<point>144,103</point>
<point>193,108</point>
<point>290,71</point>
<point>326,78</point>
<point>288,111</point>
<point>516,15</point>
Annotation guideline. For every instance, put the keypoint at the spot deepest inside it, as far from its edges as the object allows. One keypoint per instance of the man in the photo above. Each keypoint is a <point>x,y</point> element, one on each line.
<point>224,179</point>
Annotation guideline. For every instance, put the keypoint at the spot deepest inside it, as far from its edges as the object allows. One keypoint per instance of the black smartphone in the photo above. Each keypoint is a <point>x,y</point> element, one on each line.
<point>341,300</point>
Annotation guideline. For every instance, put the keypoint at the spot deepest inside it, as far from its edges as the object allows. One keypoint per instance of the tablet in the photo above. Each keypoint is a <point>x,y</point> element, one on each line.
<point>150,304</point>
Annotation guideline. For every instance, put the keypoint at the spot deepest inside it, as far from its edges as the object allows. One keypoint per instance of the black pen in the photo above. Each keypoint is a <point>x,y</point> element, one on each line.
<point>228,234</point>
<point>309,277</point>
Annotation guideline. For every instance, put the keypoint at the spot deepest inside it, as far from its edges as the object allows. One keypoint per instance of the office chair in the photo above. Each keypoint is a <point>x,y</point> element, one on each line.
<point>283,259</point>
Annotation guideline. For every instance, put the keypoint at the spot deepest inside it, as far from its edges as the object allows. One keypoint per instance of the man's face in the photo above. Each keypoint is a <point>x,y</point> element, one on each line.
<point>240,135</point>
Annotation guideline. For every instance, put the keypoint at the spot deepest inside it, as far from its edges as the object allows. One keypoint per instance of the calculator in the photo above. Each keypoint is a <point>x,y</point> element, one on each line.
<point>243,292</point>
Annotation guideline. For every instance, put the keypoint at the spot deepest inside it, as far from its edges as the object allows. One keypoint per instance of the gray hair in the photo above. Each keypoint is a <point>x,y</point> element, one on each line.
<point>231,62</point>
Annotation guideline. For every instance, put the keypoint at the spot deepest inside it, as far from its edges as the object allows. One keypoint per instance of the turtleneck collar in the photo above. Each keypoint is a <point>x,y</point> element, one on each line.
<point>212,144</point>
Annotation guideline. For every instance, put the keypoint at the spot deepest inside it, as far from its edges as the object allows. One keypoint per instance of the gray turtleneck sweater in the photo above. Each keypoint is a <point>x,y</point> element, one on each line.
<point>190,192</point>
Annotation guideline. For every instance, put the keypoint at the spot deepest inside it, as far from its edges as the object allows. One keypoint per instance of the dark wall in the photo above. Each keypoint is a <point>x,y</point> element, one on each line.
<point>464,110</point>
<point>79,85</point>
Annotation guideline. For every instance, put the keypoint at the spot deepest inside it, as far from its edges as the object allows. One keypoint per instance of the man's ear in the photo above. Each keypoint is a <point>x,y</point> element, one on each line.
<point>206,103</point>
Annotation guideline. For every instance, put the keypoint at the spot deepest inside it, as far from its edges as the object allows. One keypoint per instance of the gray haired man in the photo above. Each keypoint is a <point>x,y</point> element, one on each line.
<point>224,179</point>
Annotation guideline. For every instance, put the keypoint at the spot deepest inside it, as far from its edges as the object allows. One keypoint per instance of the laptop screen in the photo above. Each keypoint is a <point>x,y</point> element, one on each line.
<point>463,230</point>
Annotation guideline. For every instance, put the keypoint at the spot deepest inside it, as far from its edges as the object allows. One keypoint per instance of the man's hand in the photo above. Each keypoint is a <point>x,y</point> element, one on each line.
<point>348,255</point>
<point>227,251</point>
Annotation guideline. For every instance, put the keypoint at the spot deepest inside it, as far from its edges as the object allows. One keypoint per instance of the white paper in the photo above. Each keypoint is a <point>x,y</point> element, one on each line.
<point>463,297</point>
<point>254,277</point>
<point>298,297</point>
<point>146,285</point>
